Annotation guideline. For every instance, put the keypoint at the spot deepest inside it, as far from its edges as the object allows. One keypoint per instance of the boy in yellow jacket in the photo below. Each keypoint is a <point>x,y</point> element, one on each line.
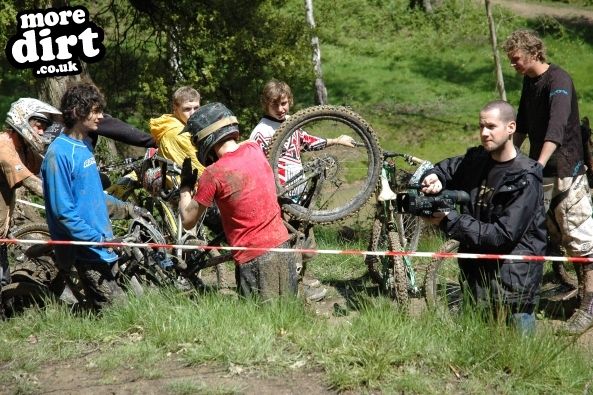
<point>167,128</point>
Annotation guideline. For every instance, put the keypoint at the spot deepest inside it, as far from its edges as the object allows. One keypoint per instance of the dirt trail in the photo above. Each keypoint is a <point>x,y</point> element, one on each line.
<point>530,10</point>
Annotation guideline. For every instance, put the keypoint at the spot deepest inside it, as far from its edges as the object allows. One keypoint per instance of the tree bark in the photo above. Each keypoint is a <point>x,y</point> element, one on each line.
<point>499,77</point>
<point>427,6</point>
<point>320,90</point>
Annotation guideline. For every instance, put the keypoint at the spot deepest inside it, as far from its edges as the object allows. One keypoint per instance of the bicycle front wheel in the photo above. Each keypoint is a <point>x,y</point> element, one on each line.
<point>334,182</point>
<point>442,283</point>
<point>389,272</point>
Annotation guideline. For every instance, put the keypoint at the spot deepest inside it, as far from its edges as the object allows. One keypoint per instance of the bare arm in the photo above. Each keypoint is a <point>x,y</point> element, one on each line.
<point>342,140</point>
<point>547,151</point>
<point>33,184</point>
<point>189,209</point>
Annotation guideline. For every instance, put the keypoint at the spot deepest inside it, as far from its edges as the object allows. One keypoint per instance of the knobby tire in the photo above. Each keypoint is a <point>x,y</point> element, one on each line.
<point>388,272</point>
<point>350,175</point>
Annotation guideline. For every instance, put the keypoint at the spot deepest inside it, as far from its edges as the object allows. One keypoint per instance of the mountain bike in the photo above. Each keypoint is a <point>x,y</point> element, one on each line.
<point>152,183</point>
<point>394,231</point>
<point>335,183</point>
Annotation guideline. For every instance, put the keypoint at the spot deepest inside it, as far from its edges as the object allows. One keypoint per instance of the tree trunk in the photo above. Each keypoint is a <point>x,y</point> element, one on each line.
<point>499,77</point>
<point>427,6</point>
<point>52,89</point>
<point>320,90</point>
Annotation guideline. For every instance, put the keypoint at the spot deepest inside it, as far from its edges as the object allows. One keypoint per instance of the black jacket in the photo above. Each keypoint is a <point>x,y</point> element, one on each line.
<point>109,127</point>
<point>118,130</point>
<point>512,222</point>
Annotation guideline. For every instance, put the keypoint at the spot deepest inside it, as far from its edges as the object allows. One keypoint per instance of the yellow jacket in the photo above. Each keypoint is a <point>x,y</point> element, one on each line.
<point>165,130</point>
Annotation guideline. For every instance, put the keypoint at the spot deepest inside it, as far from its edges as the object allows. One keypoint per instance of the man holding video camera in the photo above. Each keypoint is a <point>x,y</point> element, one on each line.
<point>505,215</point>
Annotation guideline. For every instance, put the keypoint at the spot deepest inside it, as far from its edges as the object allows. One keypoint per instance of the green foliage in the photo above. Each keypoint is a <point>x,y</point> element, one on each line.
<point>227,51</point>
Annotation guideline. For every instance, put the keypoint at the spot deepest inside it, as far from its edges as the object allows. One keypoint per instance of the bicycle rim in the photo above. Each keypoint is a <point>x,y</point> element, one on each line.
<point>442,287</point>
<point>336,181</point>
<point>143,263</point>
<point>409,229</point>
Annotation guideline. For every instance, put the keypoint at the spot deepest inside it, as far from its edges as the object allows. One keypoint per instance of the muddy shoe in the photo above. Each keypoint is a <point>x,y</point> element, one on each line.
<point>312,283</point>
<point>578,323</point>
<point>314,294</point>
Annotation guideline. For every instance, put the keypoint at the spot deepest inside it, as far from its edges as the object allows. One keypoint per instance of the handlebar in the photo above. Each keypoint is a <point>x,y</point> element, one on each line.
<point>128,164</point>
<point>408,158</point>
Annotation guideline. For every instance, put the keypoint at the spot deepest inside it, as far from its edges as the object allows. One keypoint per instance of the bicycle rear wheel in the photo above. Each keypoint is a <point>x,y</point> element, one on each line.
<point>42,268</point>
<point>336,181</point>
<point>441,284</point>
<point>389,272</point>
<point>566,274</point>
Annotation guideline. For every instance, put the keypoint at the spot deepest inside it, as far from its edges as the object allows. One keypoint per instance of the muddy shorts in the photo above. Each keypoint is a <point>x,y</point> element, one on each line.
<point>98,278</point>
<point>269,275</point>
<point>570,224</point>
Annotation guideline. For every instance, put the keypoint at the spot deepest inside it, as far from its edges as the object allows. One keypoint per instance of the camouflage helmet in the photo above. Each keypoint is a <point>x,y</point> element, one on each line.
<point>25,109</point>
<point>210,124</point>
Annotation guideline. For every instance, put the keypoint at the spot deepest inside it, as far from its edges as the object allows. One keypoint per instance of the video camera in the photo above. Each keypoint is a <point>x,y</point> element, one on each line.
<point>416,203</point>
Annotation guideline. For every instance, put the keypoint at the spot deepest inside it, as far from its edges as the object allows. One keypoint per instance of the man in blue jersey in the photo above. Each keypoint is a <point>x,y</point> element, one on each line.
<point>76,207</point>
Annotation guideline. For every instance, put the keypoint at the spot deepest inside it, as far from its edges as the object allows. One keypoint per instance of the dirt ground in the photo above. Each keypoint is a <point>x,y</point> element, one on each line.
<point>80,376</point>
<point>531,10</point>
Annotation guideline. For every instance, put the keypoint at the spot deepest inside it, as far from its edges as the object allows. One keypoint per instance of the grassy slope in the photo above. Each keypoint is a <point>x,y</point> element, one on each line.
<point>421,80</point>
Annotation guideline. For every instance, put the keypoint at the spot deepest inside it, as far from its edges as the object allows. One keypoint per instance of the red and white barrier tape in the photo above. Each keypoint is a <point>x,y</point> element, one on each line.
<point>540,258</point>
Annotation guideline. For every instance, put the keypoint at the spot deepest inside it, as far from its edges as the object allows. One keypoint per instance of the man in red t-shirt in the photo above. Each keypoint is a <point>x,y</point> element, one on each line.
<point>240,181</point>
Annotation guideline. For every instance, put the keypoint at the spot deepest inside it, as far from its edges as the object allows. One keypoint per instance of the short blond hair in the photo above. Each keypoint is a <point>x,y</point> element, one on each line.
<point>526,41</point>
<point>185,94</point>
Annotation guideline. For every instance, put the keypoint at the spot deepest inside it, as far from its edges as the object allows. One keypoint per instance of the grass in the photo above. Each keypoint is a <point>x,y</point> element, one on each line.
<point>378,349</point>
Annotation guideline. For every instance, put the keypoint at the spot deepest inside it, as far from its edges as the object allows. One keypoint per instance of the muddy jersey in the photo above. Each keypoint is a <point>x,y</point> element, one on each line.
<point>242,185</point>
<point>289,164</point>
<point>14,168</point>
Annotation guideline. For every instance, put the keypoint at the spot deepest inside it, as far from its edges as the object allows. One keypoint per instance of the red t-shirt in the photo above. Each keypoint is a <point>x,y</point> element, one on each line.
<point>242,185</point>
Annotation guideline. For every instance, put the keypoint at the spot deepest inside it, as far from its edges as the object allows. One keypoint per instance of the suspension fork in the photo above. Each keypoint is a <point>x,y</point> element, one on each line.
<point>388,211</point>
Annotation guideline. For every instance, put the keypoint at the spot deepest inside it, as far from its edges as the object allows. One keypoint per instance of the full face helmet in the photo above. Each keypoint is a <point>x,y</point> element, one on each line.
<point>26,109</point>
<point>210,124</point>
